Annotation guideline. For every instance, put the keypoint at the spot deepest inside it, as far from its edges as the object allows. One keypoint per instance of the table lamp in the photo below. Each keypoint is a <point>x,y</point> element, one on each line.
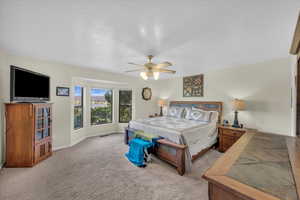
<point>238,105</point>
<point>161,104</point>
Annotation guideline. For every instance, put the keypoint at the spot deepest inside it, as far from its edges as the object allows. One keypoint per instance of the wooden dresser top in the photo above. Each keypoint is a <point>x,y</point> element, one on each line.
<point>260,166</point>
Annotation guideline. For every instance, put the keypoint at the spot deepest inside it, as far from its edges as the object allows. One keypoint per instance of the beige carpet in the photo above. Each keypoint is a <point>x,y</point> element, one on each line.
<point>97,169</point>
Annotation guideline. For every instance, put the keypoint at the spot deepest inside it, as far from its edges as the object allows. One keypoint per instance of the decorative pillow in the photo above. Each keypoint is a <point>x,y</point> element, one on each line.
<point>199,115</point>
<point>175,111</point>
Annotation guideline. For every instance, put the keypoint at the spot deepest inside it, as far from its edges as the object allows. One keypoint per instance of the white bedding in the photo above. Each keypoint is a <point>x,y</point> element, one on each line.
<point>196,135</point>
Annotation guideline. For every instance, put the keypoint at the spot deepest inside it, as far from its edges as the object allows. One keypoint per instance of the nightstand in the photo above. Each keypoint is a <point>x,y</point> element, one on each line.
<point>228,136</point>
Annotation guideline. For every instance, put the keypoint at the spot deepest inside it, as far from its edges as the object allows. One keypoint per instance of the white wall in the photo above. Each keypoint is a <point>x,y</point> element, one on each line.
<point>266,88</point>
<point>63,75</point>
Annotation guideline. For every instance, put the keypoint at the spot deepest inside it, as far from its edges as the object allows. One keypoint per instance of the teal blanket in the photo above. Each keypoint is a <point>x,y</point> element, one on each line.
<point>137,150</point>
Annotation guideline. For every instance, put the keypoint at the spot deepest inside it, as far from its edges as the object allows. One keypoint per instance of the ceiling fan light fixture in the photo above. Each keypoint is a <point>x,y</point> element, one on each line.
<point>144,75</point>
<point>155,75</point>
<point>152,70</point>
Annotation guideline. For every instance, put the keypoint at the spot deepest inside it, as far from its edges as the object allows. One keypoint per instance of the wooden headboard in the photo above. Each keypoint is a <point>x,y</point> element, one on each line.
<point>204,105</point>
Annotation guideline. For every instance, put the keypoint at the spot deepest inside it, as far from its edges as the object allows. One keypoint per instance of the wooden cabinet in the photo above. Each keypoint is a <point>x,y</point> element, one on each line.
<point>228,136</point>
<point>28,133</point>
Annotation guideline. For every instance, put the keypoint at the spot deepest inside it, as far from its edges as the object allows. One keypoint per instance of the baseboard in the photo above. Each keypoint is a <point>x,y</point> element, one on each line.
<point>84,138</point>
<point>61,147</point>
<point>108,134</point>
<point>77,140</point>
<point>121,127</point>
<point>102,134</point>
<point>93,135</point>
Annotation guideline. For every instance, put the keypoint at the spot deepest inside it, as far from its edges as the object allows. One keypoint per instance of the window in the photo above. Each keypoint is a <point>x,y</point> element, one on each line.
<point>78,107</point>
<point>125,106</point>
<point>101,106</point>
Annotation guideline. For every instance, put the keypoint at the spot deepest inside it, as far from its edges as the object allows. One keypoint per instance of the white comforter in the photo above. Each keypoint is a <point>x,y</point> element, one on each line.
<point>196,135</point>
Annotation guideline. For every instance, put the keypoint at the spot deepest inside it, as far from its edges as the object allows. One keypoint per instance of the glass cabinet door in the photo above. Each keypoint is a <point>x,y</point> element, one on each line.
<point>39,124</point>
<point>43,122</point>
<point>47,122</point>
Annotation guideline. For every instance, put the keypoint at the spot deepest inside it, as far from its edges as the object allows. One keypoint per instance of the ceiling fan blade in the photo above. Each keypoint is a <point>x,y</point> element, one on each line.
<point>165,71</point>
<point>130,63</point>
<point>164,64</point>
<point>134,70</point>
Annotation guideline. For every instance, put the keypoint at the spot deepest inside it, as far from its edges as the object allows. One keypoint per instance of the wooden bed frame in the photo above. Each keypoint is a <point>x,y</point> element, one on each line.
<point>178,159</point>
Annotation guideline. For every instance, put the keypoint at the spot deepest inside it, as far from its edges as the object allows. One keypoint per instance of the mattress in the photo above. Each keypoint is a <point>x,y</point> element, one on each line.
<point>196,135</point>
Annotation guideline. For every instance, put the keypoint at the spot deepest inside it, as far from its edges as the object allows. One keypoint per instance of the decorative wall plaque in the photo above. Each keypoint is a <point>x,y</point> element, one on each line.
<point>193,86</point>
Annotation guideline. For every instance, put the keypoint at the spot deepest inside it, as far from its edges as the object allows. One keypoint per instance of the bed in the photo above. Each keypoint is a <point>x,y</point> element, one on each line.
<point>184,140</point>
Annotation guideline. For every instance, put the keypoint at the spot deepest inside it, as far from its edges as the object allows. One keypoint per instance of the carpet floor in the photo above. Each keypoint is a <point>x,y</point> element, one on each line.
<point>96,169</point>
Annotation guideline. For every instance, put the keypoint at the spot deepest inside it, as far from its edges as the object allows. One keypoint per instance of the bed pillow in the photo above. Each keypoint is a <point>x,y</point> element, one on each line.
<point>175,111</point>
<point>195,115</point>
<point>187,113</point>
<point>199,115</point>
<point>206,114</point>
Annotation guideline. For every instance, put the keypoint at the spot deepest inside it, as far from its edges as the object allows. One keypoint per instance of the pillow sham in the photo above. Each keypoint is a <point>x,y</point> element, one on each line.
<point>198,115</point>
<point>206,114</point>
<point>175,111</point>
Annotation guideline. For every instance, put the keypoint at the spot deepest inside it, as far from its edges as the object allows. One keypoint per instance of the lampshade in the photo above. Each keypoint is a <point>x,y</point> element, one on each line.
<point>162,102</point>
<point>238,104</point>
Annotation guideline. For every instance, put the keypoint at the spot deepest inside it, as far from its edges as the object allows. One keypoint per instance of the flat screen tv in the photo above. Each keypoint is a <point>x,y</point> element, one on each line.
<point>28,86</point>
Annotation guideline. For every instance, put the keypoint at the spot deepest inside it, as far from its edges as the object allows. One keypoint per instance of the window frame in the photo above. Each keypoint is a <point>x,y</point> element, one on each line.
<point>125,105</point>
<point>112,106</point>
<point>79,106</point>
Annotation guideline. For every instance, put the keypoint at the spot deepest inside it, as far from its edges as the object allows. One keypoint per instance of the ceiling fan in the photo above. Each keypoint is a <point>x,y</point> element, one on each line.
<point>151,69</point>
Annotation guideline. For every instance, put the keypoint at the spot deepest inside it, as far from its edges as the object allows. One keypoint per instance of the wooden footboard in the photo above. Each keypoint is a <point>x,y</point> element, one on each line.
<point>176,158</point>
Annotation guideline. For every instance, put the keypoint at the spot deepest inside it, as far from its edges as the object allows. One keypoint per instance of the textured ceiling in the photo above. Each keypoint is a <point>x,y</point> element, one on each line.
<point>194,35</point>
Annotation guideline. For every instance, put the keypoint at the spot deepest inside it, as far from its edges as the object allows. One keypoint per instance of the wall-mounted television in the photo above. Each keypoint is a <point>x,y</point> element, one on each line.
<point>28,86</point>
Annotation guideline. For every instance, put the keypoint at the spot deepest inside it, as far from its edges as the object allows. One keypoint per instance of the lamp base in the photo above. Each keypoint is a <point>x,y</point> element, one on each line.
<point>236,126</point>
<point>236,121</point>
<point>161,111</point>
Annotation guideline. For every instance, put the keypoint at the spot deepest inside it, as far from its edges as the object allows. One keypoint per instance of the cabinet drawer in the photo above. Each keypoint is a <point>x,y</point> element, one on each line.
<point>233,133</point>
<point>226,146</point>
<point>228,136</point>
<point>43,150</point>
<point>228,140</point>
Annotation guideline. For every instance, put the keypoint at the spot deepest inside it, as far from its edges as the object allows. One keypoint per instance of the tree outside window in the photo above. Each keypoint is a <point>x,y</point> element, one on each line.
<point>101,106</point>
<point>125,106</point>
